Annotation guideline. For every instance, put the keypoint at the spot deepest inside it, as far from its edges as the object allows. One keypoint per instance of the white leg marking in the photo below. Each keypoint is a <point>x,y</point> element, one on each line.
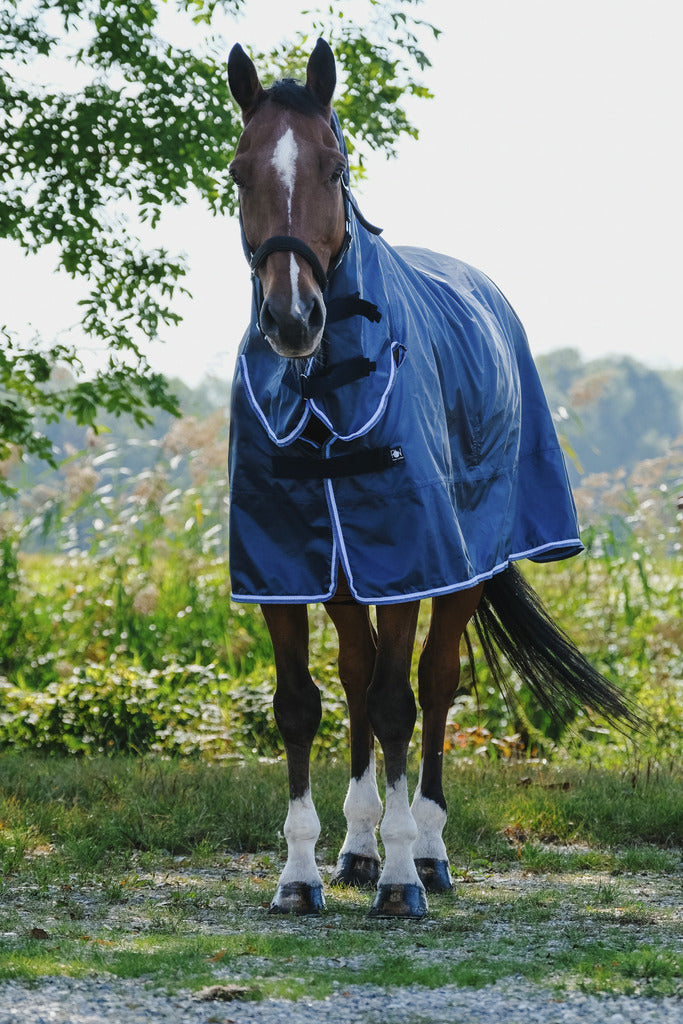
<point>430,819</point>
<point>398,831</point>
<point>362,810</point>
<point>302,829</point>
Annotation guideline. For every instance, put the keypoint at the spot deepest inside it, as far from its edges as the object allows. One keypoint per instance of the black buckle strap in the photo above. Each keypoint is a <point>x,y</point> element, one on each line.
<point>343,373</point>
<point>373,460</point>
<point>352,305</point>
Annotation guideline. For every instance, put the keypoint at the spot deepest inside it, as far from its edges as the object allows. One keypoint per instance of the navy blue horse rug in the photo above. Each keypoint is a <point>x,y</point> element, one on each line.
<point>438,462</point>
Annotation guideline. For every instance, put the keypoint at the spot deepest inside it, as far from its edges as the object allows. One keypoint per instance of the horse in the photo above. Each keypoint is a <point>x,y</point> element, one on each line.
<point>389,442</point>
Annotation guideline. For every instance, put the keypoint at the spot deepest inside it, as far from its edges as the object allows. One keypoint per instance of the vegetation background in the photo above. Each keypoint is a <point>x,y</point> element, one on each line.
<point>118,633</point>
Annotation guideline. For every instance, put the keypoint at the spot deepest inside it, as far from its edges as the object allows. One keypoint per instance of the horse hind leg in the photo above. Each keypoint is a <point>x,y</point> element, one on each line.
<point>438,677</point>
<point>297,712</point>
<point>358,863</point>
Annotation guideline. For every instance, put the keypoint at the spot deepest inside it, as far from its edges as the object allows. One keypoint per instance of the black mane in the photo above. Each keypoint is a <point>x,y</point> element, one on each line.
<point>293,96</point>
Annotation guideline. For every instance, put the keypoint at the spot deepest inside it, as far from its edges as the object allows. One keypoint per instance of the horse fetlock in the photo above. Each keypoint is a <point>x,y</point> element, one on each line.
<point>358,862</point>
<point>398,831</point>
<point>302,823</point>
<point>363,806</point>
<point>301,831</point>
<point>430,819</point>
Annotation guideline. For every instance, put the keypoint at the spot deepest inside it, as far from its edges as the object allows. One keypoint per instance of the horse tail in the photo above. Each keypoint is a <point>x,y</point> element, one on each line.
<point>512,618</point>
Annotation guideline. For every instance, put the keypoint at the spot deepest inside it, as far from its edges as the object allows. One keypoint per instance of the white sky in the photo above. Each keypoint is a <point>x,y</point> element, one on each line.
<point>551,158</point>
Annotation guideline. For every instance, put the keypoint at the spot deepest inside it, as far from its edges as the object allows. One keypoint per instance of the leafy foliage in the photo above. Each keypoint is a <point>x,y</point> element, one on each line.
<point>144,123</point>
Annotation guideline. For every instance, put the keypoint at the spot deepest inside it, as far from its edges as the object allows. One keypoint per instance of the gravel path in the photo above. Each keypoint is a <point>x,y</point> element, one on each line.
<point>67,1001</point>
<point>105,998</point>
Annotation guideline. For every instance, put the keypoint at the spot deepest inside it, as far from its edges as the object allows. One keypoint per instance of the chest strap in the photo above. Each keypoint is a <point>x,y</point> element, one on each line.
<point>343,373</point>
<point>352,305</point>
<point>372,460</point>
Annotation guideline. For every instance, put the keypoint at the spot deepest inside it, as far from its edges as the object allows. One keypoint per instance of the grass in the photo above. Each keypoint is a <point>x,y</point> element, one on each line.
<point>92,814</point>
<point>484,933</point>
<point>163,870</point>
<point>158,868</point>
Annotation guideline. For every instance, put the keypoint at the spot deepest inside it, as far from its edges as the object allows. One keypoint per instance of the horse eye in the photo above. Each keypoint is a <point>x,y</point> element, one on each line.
<point>236,178</point>
<point>336,175</point>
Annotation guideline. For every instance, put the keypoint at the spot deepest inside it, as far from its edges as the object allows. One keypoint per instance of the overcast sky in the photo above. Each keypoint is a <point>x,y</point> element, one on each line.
<point>551,158</point>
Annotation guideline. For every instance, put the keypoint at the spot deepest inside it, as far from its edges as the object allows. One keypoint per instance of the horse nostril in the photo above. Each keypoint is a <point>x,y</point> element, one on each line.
<point>268,321</point>
<point>293,332</point>
<point>316,316</point>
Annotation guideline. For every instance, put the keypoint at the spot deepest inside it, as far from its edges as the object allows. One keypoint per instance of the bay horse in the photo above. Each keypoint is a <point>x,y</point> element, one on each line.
<point>389,442</point>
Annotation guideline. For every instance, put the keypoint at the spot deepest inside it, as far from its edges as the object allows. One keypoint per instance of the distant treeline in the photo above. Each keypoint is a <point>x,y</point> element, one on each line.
<point>613,412</point>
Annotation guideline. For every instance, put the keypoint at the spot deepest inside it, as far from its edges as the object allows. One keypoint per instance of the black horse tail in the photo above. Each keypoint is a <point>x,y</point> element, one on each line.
<point>512,618</point>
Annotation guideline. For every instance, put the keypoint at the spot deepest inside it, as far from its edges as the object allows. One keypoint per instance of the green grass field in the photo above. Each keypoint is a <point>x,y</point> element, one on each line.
<point>163,869</point>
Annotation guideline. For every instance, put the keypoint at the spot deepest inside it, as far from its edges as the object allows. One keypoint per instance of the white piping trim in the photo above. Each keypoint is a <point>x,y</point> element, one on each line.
<point>281,442</point>
<point>451,588</point>
<point>379,411</point>
<point>338,534</point>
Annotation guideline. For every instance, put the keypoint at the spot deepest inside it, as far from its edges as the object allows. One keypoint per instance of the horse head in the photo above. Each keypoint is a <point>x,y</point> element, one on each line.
<point>289,171</point>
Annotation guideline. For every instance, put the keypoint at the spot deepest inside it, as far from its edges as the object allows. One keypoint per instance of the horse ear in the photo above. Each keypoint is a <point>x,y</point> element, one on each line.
<point>321,75</point>
<point>244,81</point>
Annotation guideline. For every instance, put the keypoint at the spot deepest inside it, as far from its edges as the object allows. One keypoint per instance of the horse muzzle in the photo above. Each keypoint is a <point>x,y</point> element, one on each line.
<point>293,331</point>
<point>292,320</point>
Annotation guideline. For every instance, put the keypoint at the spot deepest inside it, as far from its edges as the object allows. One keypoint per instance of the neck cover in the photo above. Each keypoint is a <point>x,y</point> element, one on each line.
<point>438,462</point>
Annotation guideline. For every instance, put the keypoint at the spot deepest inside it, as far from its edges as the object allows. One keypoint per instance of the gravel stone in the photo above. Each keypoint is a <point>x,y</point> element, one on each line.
<point>92,1001</point>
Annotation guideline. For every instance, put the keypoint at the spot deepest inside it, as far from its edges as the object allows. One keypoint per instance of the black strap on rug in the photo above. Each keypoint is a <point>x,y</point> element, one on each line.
<point>352,305</point>
<point>343,373</point>
<point>373,460</point>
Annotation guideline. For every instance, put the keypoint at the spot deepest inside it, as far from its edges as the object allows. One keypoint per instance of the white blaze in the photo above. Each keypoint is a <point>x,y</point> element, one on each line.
<point>294,281</point>
<point>284,161</point>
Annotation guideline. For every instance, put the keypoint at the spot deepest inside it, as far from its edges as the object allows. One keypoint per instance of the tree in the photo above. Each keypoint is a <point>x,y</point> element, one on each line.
<point>612,412</point>
<point>89,168</point>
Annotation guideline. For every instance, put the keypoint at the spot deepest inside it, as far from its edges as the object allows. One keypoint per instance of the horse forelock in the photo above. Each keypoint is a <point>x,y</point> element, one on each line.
<point>291,95</point>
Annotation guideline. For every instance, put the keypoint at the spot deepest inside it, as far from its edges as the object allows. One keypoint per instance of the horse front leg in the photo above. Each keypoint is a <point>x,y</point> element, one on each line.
<point>392,713</point>
<point>298,711</point>
<point>358,862</point>
<point>438,678</point>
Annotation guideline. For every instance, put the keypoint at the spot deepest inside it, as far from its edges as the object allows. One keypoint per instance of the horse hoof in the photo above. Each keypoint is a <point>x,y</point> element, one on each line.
<point>297,898</point>
<point>355,870</point>
<point>400,901</point>
<point>434,874</point>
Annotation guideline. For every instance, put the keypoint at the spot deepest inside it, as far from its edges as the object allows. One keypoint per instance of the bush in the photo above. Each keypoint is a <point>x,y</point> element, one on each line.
<point>178,710</point>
